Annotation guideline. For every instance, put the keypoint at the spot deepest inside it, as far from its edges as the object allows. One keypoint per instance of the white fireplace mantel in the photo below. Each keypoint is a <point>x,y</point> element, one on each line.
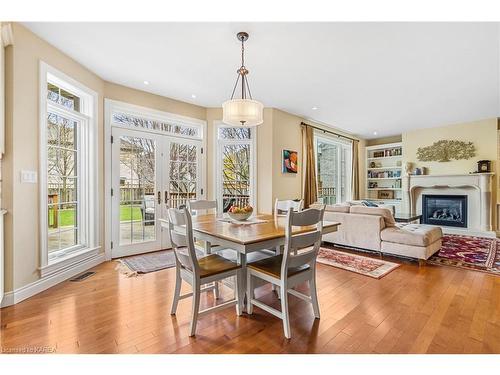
<point>477,187</point>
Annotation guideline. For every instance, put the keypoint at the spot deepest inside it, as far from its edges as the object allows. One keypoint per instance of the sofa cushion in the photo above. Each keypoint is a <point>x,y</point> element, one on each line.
<point>412,234</point>
<point>377,211</point>
<point>369,204</point>
<point>338,208</point>
<point>343,208</point>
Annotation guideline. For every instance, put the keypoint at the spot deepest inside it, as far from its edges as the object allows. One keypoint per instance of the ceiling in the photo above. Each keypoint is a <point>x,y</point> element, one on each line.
<point>362,77</point>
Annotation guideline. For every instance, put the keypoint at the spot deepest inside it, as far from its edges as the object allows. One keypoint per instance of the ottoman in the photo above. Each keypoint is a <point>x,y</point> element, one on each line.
<point>412,240</point>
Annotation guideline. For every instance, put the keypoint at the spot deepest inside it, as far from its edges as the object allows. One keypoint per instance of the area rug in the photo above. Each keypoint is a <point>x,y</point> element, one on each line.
<point>476,253</point>
<point>150,262</point>
<point>376,268</point>
<point>145,263</point>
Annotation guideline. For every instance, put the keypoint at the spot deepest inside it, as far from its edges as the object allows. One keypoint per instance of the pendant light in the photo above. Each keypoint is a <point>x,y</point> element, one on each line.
<point>245,111</point>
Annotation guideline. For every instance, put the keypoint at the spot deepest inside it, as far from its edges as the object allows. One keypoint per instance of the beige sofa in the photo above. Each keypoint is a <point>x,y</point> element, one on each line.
<point>374,228</point>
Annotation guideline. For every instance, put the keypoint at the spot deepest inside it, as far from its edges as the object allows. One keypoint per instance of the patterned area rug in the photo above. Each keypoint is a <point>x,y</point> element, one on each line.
<point>376,268</point>
<point>476,253</point>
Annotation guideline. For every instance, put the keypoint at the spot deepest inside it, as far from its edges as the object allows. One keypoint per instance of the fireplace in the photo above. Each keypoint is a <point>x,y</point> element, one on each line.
<point>445,210</point>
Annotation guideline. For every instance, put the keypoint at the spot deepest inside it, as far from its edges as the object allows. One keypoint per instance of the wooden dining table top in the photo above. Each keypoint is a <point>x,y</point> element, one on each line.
<point>244,234</point>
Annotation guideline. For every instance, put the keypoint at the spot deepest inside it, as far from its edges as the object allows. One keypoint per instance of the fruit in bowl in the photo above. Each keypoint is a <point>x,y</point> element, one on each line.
<point>240,213</point>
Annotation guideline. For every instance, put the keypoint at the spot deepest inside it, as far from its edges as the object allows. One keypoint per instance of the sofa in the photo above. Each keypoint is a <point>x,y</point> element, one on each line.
<point>374,228</point>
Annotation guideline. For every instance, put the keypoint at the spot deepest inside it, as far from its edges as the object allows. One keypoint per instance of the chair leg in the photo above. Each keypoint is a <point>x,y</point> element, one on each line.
<point>314,296</point>
<point>216,290</point>
<point>250,293</point>
<point>274,287</point>
<point>284,311</point>
<point>177,292</point>
<point>237,293</point>
<point>196,306</point>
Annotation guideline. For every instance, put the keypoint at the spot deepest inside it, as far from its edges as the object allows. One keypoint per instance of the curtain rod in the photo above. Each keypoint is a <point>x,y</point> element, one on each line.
<point>328,131</point>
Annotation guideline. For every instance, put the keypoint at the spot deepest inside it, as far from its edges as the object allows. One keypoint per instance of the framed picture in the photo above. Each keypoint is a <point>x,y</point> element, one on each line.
<point>385,194</point>
<point>290,161</point>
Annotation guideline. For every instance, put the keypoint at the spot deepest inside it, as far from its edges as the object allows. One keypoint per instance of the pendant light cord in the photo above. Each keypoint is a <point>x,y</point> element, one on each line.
<point>244,80</point>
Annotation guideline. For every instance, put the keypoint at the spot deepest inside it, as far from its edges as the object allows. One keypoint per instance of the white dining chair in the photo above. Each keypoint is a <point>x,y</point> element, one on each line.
<point>197,271</point>
<point>202,207</point>
<point>296,265</point>
<point>282,207</point>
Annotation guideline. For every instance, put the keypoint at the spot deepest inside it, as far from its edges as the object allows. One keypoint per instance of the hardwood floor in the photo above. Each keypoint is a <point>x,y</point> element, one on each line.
<point>431,309</point>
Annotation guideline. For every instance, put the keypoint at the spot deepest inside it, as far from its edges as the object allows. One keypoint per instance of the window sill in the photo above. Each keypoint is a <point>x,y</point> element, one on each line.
<point>68,260</point>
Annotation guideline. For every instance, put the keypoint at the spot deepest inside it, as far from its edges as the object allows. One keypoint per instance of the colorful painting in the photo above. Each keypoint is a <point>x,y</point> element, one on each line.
<point>290,161</point>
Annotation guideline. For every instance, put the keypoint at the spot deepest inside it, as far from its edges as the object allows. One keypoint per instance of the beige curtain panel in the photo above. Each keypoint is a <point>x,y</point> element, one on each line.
<point>310,187</point>
<point>355,170</point>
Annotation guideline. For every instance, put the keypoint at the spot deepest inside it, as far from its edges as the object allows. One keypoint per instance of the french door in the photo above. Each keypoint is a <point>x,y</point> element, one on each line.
<point>150,172</point>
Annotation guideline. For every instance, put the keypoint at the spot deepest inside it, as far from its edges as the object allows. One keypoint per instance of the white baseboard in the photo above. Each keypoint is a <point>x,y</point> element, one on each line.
<point>18,295</point>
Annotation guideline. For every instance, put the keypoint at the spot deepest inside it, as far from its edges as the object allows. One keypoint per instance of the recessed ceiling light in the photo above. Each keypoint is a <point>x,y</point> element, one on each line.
<point>375,133</point>
<point>146,83</point>
<point>314,108</point>
<point>193,96</point>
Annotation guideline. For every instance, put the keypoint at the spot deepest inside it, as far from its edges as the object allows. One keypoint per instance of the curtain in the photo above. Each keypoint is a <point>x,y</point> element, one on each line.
<point>355,170</point>
<point>310,187</point>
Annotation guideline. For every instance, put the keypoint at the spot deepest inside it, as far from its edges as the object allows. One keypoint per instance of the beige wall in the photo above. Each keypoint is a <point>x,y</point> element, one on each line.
<point>160,103</point>
<point>384,140</point>
<point>265,165</point>
<point>21,199</point>
<point>482,133</point>
<point>22,253</point>
<point>287,135</point>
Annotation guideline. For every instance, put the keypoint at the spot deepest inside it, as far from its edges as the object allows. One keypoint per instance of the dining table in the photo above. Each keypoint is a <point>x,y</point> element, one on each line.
<point>258,233</point>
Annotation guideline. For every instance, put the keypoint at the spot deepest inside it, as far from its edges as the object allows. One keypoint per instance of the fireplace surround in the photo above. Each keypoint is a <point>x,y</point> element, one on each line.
<point>444,210</point>
<point>478,187</point>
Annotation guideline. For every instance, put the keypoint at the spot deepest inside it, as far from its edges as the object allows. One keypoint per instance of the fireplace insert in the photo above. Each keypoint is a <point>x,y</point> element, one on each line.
<point>445,210</point>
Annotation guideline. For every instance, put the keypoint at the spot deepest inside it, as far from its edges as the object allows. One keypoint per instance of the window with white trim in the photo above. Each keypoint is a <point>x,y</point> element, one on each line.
<point>68,169</point>
<point>333,168</point>
<point>235,167</point>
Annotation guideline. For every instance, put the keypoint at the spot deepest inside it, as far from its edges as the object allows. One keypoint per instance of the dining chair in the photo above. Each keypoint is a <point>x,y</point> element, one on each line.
<point>204,207</point>
<point>197,271</point>
<point>282,207</point>
<point>297,264</point>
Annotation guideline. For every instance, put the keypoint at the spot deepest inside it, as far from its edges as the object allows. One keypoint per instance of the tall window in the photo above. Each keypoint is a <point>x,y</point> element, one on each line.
<point>67,176</point>
<point>235,162</point>
<point>334,169</point>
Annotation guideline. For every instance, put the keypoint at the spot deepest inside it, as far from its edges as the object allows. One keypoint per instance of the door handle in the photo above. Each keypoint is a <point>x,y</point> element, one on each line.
<point>159,197</point>
<point>166,197</point>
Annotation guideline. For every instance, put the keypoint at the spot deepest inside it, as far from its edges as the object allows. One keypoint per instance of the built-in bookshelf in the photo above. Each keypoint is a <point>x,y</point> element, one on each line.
<point>383,174</point>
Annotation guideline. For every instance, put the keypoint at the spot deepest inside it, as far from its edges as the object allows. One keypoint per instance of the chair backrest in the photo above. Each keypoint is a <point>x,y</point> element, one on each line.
<point>180,230</point>
<point>311,241</point>
<point>282,207</point>
<point>201,206</point>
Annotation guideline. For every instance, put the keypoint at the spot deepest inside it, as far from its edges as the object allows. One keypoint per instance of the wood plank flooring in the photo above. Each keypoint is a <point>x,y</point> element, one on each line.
<point>430,309</point>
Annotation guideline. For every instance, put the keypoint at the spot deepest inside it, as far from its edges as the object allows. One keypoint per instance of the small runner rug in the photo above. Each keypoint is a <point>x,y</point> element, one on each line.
<point>376,268</point>
<point>475,253</point>
<point>145,263</point>
<point>150,262</point>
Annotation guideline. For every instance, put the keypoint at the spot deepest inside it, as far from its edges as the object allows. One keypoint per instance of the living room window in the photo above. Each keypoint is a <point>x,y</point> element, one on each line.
<point>68,169</point>
<point>333,168</point>
<point>235,178</point>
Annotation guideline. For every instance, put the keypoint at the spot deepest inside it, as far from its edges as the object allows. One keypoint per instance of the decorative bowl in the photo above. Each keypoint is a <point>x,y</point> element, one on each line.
<point>241,216</point>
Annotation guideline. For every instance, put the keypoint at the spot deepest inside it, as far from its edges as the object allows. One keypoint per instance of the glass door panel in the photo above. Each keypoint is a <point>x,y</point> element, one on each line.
<point>150,173</point>
<point>183,172</point>
<point>327,160</point>
<point>135,179</point>
<point>235,175</point>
